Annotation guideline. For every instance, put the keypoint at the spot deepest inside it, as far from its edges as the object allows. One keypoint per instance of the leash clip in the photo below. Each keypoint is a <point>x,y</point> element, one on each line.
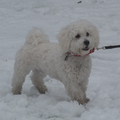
<point>101,48</point>
<point>67,55</point>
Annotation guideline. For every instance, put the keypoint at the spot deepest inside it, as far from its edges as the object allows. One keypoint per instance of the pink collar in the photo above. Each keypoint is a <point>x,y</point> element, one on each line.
<point>77,55</point>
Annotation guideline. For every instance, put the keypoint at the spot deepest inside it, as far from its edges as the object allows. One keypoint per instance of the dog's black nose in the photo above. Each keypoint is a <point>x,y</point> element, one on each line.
<point>86,42</point>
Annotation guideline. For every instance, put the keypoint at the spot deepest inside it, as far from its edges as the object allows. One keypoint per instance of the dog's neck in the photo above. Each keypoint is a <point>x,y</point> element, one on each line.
<point>68,54</point>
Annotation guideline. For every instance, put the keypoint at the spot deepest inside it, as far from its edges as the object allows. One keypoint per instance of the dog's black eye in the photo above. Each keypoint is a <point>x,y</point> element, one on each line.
<point>87,34</point>
<point>77,36</point>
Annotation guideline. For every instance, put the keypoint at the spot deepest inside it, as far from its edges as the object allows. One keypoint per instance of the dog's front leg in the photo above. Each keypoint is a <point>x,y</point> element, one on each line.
<point>77,93</point>
<point>83,85</point>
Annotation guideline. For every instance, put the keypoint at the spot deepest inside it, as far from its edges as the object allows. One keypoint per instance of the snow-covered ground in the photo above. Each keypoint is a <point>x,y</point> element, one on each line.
<point>17,17</point>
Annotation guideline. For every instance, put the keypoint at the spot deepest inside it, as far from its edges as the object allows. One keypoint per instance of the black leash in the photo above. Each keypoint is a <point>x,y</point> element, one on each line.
<point>109,47</point>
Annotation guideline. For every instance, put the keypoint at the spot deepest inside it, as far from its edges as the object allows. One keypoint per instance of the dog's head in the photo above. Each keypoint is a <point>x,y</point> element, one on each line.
<point>79,37</point>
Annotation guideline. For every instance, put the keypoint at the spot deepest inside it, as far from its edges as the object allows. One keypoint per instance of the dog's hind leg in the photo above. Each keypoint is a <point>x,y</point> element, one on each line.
<point>37,79</point>
<point>20,72</point>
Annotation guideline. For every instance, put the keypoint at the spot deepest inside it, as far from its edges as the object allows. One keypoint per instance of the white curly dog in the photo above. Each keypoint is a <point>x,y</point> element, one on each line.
<point>69,61</point>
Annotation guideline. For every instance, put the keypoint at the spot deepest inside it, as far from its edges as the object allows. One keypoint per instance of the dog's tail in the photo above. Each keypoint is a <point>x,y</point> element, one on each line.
<point>36,36</point>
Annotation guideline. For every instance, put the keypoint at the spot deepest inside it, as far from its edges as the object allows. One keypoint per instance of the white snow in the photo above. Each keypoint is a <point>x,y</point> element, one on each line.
<point>17,17</point>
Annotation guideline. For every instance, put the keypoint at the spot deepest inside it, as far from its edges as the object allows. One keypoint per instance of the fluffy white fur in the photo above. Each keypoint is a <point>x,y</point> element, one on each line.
<point>45,58</point>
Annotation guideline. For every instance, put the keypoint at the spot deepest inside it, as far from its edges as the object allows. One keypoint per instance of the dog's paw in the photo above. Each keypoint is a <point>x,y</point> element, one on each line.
<point>15,92</point>
<point>83,102</point>
<point>87,100</point>
<point>42,90</point>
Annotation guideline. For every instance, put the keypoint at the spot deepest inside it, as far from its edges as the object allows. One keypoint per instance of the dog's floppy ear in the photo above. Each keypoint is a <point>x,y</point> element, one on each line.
<point>64,39</point>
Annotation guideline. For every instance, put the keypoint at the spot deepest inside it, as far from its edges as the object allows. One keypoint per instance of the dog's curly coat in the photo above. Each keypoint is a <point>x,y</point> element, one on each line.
<point>45,58</point>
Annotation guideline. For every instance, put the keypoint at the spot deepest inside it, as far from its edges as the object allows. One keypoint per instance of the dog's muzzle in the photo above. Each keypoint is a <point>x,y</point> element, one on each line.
<point>86,44</point>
